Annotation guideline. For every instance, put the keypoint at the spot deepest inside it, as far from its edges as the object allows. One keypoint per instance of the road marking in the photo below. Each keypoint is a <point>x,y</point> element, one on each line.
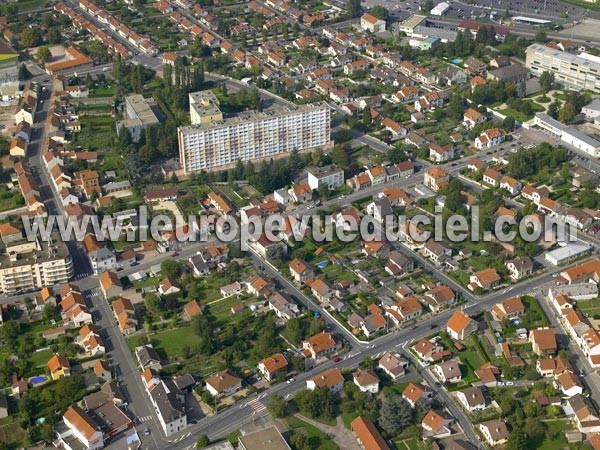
<point>257,406</point>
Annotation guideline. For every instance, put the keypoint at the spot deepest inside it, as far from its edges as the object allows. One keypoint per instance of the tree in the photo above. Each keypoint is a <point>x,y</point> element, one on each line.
<point>31,37</point>
<point>277,406</point>
<point>395,415</point>
<point>366,116</point>
<point>509,123</point>
<point>44,54</point>
<point>203,329</point>
<point>53,36</point>
<point>428,6</point>
<point>170,268</point>
<point>153,303</point>
<point>202,441</point>
<point>516,441</point>
<point>540,36</point>
<point>567,113</point>
<point>340,156</point>
<point>380,12</point>
<point>353,8</point>
<point>28,303</point>
<point>553,109</point>
<point>300,441</point>
<point>546,80</point>
<point>24,74</point>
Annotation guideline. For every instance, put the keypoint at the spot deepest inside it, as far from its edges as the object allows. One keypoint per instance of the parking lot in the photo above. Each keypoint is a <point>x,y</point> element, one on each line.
<point>481,9</point>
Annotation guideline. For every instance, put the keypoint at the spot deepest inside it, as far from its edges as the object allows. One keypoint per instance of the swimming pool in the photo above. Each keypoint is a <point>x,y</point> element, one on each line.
<point>457,61</point>
<point>38,379</point>
<point>322,265</point>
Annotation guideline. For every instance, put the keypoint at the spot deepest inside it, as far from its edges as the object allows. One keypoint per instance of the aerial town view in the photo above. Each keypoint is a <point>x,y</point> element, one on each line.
<point>296,225</point>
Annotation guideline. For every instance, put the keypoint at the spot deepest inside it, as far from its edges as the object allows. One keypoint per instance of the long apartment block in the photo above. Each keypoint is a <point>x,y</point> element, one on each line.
<point>216,143</point>
<point>573,71</point>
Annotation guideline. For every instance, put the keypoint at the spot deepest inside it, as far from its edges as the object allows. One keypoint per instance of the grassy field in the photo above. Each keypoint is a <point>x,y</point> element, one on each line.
<point>172,342</point>
<point>25,5</point>
<point>589,307</point>
<point>40,359</point>
<point>96,133</point>
<point>10,199</point>
<point>317,439</point>
<point>11,431</point>
<point>234,195</point>
<point>554,439</point>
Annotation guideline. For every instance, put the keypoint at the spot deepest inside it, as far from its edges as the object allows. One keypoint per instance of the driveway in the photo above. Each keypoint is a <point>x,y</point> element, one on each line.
<point>341,435</point>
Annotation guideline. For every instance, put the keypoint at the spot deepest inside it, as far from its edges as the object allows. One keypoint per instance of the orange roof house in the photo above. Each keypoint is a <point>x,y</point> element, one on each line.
<point>59,367</point>
<point>367,434</point>
<point>273,366</point>
<point>460,325</point>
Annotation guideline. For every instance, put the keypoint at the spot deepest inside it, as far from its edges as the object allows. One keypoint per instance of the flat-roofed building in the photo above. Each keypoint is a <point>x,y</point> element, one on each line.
<point>140,113</point>
<point>267,439</point>
<point>216,143</point>
<point>573,71</point>
<point>29,265</point>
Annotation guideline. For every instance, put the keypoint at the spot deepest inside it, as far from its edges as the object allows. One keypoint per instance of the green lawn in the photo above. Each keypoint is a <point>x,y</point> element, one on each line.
<point>221,309</point>
<point>347,418</point>
<point>40,359</point>
<point>554,439</point>
<point>472,361</point>
<point>10,199</point>
<point>317,439</point>
<point>172,342</point>
<point>97,132</point>
<point>25,5</point>
<point>589,307</point>
<point>104,91</point>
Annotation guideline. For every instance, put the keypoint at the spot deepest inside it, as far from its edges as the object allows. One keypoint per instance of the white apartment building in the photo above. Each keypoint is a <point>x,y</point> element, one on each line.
<point>573,71</point>
<point>330,176</point>
<point>218,144</point>
<point>34,265</point>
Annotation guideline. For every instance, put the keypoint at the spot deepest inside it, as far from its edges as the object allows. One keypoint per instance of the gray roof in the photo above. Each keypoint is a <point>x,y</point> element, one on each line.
<point>167,401</point>
<point>185,381</point>
<point>146,355</point>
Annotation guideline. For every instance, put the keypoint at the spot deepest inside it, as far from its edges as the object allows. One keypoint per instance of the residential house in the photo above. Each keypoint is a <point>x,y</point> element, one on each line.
<point>415,392</point>
<point>472,118</point>
<point>436,425</point>
<point>484,279</point>
<point>439,297</point>
<point>543,341</point>
<point>320,345</point>
<point>223,384</point>
<point>490,138</point>
<point>273,366</point>
<point>495,431</point>
<point>460,325</point>
<point>59,367</point>
<point>508,309</point>
<point>519,267</point>
<point>331,379</point>
<point>369,22</point>
<point>448,371</point>
<point>393,365</point>
<point>472,399</point>
<point>367,381</point>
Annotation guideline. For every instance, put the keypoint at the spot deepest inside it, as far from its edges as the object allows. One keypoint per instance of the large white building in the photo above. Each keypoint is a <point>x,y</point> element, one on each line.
<point>33,265</point>
<point>573,71</point>
<point>567,134</point>
<point>214,143</point>
<point>440,9</point>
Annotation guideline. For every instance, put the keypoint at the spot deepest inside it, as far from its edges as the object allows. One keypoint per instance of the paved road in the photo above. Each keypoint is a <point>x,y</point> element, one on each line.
<point>117,348</point>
